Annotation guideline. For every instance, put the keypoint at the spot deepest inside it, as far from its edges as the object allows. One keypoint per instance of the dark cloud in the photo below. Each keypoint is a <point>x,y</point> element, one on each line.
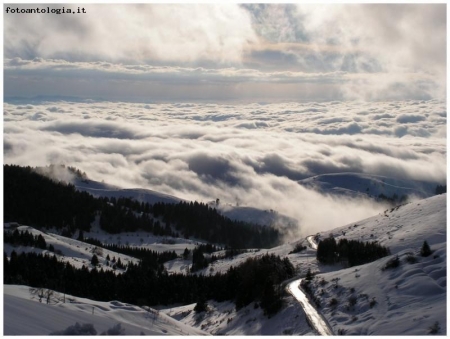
<point>213,168</point>
<point>39,116</point>
<point>383,116</point>
<point>410,118</point>
<point>327,166</point>
<point>253,125</point>
<point>352,128</point>
<point>55,109</point>
<point>401,131</point>
<point>95,129</point>
<point>7,147</point>
<point>277,165</point>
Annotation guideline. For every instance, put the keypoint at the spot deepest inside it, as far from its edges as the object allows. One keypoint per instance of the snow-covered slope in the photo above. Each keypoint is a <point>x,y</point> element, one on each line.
<point>240,213</point>
<point>402,227</point>
<point>79,253</point>
<point>407,300</point>
<point>75,252</point>
<point>223,319</point>
<point>26,316</point>
<point>305,258</point>
<point>257,216</point>
<point>99,189</point>
<point>357,184</point>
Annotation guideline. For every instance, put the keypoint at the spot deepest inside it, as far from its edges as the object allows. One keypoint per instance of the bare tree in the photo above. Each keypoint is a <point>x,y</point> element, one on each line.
<point>47,294</point>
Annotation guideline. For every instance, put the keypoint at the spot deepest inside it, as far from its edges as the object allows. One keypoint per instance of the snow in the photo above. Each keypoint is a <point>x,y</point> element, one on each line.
<point>408,299</point>
<point>314,317</point>
<point>418,301</point>
<point>360,185</point>
<point>23,316</point>
<point>401,227</point>
<point>256,216</point>
<point>98,189</point>
<point>223,319</point>
<point>240,213</point>
<point>75,252</point>
<point>143,239</point>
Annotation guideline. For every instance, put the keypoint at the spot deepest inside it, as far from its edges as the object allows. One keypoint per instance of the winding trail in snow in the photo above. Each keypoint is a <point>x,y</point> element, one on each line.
<point>315,319</point>
<point>312,243</point>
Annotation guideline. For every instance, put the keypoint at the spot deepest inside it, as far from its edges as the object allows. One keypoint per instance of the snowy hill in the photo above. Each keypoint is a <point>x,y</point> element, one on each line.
<point>26,316</point>
<point>239,213</point>
<point>98,189</point>
<point>402,227</point>
<point>223,319</point>
<point>357,185</point>
<point>79,253</point>
<point>407,300</point>
<point>257,216</point>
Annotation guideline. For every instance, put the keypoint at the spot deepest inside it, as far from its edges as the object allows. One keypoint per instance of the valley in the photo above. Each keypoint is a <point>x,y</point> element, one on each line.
<point>393,293</point>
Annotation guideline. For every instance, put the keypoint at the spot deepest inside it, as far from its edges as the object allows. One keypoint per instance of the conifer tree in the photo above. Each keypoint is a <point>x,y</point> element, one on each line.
<point>201,305</point>
<point>94,260</point>
<point>425,251</point>
<point>309,275</point>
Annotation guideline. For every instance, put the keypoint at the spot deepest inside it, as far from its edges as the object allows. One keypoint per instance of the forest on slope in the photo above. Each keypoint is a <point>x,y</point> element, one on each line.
<point>36,200</point>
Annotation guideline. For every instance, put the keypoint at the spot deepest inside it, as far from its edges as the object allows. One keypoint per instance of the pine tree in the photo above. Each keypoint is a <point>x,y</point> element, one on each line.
<point>201,305</point>
<point>425,251</point>
<point>94,260</point>
<point>309,275</point>
<point>80,236</point>
<point>40,242</point>
<point>186,253</point>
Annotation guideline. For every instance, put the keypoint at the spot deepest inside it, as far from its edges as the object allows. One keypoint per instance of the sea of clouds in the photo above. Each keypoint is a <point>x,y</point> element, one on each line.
<point>252,154</point>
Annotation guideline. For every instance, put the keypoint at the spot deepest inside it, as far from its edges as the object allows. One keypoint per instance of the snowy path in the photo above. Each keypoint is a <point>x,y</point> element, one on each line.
<point>314,317</point>
<point>312,243</point>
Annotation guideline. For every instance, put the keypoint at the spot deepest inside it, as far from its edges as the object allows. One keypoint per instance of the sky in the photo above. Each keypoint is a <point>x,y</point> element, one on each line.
<point>228,52</point>
<point>236,102</point>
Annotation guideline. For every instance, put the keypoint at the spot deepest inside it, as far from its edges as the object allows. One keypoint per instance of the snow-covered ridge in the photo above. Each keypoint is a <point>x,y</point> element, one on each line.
<point>79,253</point>
<point>240,213</point>
<point>358,184</point>
<point>98,189</point>
<point>26,316</point>
<point>406,300</point>
<point>402,227</point>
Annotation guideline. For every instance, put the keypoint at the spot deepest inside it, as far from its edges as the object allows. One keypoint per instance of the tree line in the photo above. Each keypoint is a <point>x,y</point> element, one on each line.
<point>35,200</point>
<point>202,221</point>
<point>157,258</point>
<point>24,238</point>
<point>349,252</point>
<point>256,280</point>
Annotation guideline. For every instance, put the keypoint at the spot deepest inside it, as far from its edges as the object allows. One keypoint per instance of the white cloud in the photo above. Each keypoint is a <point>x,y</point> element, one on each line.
<point>208,151</point>
<point>133,32</point>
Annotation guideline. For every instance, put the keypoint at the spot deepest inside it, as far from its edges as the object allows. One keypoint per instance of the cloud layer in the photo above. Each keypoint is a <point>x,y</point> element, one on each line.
<point>250,153</point>
<point>238,102</point>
